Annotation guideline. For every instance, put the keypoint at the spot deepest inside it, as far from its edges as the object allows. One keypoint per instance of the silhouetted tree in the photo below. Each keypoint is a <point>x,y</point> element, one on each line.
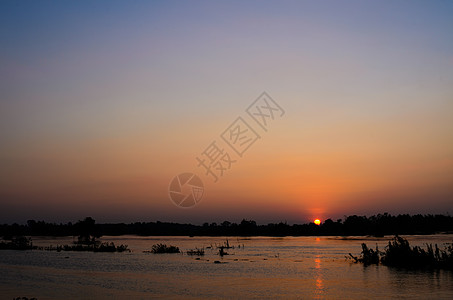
<point>382,224</point>
<point>88,231</point>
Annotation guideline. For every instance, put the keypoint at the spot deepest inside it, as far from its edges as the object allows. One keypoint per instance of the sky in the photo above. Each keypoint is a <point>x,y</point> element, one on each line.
<point>103,103</point>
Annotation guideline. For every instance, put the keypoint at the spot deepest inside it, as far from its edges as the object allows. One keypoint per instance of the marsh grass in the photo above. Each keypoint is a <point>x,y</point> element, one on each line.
<point>17,243</point>
<point>398,253</point>
<point>196,251</point>
<point>162,248</point>
<point>99,247</point>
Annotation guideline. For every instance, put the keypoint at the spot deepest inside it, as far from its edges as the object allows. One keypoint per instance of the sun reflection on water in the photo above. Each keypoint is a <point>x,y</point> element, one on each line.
<point>319,291</point>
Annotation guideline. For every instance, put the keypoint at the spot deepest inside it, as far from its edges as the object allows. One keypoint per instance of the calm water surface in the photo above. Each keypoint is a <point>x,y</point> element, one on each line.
<point>262,268</point>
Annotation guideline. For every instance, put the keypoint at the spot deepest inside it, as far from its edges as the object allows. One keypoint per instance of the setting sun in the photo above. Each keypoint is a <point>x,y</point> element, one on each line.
<point>317,221</point>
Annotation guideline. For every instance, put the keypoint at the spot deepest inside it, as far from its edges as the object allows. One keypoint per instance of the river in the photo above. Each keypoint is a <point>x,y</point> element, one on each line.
<point>257,268</point>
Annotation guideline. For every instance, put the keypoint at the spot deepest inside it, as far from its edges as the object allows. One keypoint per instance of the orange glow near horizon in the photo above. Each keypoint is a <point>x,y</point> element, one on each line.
<point>317,222</point>
<point>106,139</point>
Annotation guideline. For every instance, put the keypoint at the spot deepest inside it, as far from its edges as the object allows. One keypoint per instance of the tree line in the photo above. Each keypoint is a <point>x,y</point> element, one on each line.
<point>376,225</point>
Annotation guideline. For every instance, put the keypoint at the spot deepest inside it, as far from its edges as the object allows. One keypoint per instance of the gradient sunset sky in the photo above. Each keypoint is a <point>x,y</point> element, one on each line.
<point>102,103</point>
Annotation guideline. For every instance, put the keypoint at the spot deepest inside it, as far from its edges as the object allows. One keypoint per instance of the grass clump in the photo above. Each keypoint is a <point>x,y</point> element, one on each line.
<point>17,243</point>
<point>368,255</point>
<point>162,248</point>
<point>398,253</point>
<point>196,251</point>
<point>99,247</point>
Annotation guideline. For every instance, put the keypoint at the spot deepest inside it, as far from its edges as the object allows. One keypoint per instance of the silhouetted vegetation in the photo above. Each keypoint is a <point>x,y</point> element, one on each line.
<point>162,248</point>
<point>368,256</point>
<point>16,243</point>
<point>379,225</point>
<point>98,247</point>
<point>398,253</point>
<point>196,251</point>
<point>222,251</point>
<point>226,245</point>
<point>86,231</point>
<point>222,248</point>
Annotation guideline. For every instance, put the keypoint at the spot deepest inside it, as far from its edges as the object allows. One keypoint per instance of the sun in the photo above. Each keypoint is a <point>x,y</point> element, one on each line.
<point>317,222</point>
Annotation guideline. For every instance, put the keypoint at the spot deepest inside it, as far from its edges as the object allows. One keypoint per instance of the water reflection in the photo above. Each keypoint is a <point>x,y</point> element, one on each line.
<point>319,290</point>
<point>403,281</point>
<point>306,268</point>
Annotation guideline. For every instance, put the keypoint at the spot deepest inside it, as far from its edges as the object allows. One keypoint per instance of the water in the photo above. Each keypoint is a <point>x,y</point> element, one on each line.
<point>262,268</point>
